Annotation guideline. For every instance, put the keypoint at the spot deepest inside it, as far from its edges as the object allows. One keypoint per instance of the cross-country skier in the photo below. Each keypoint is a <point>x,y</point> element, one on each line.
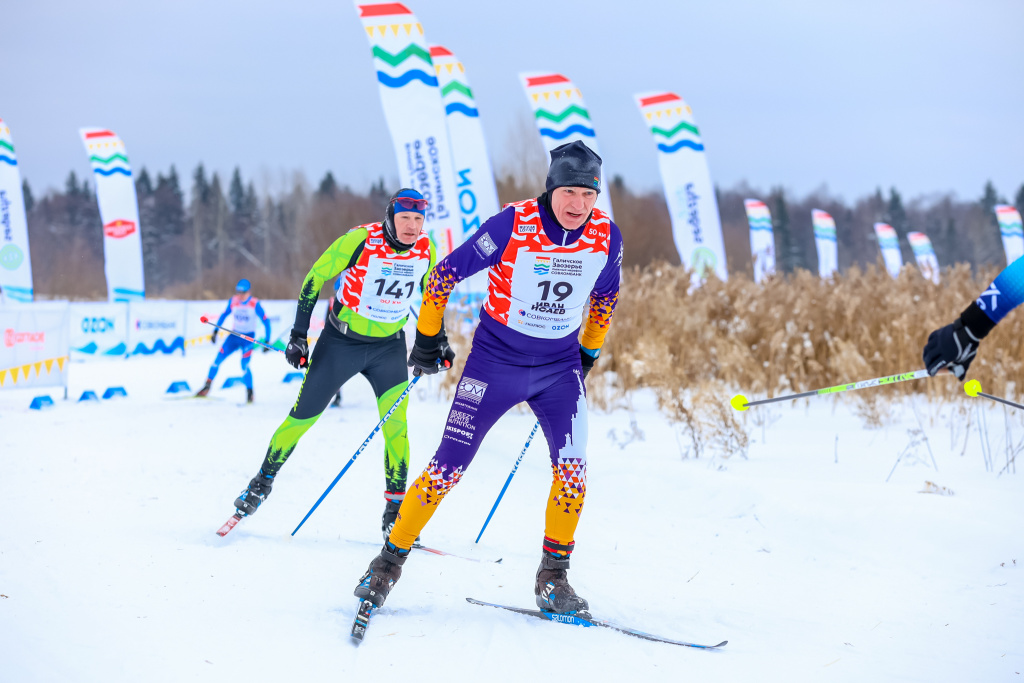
<point>550,259</point>
<point>387,263</point>
<point>953,347</point>
<point>246,310</point>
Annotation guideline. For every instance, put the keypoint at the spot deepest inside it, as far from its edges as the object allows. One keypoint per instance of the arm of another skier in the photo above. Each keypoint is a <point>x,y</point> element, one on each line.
<point>954,346</point>
<point>479,252</point>
<point>603,299</point>
<point>328,266</point>
<point>221,319</point>
<point>266,323</point>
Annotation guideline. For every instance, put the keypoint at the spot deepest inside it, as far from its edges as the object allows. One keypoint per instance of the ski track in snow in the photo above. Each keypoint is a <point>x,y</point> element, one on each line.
<point>812,570</point>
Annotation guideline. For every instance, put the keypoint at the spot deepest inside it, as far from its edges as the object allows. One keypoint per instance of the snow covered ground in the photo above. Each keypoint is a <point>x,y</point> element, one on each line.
<point>801,555</point>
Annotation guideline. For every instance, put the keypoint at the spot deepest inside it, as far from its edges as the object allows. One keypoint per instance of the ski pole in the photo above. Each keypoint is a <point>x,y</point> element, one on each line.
<point>740,402</point>
<point>359,450</point>
<point>246,337</point>
<point>973,389</point>
<point>507,482</point>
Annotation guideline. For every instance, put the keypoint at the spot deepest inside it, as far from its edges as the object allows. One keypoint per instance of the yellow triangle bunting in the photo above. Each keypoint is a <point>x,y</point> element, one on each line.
<point>61,361</point>
<point>369,31</point>
<point>449,67</point>
<point>408,29</point>
<point>394,27</point>
<point>3,376</point>
<point>419,27</point>
<point>49,365</point>
<point>25,369</point>
<point>535,96</point>
<point>38,366</point>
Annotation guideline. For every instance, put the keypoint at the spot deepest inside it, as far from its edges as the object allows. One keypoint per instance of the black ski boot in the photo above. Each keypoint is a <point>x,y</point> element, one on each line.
<point>381,575</point>
<point>255,494</point>
<point>248,395</point>
<point>205,390</point>
<point>554,594</point>
<point>387,522</point>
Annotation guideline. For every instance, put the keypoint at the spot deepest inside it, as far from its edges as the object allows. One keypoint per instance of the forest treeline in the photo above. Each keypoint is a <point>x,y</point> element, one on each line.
<point>201,234</point>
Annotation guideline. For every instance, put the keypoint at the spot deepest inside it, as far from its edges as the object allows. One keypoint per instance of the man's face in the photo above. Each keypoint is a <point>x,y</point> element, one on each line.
<point>572,205</point>
<point>408,226</point>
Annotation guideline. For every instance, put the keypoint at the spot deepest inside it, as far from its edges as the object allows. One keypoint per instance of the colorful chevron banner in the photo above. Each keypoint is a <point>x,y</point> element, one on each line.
<point>15,264</point>
<point>561,116</point>
<point>889,243</point>
<point>687,181</point>
<point>762,239</point>
<point>474,177</point>
<point>924,255</point>
<point>119,211</point>
<point>1011,230</point>
<point>412,107</point>
<point>826,242</point>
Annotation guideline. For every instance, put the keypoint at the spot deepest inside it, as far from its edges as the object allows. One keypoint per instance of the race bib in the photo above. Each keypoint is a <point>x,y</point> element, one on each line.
<point>389,288</point>
<point>549,291</point>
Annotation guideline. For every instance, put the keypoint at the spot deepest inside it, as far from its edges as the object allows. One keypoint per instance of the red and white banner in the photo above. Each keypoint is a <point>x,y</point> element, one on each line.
<point>35,345</point>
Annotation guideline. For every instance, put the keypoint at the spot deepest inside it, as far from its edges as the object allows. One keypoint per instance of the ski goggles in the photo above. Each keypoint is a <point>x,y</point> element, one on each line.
<point>411,203</point>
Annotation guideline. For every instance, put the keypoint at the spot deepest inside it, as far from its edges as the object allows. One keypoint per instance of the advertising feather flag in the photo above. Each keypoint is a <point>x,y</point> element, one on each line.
<point>826,243</point>
<point>692,207</point>
<point>762,239</point>
<point>411,99</point>
<point>119,212</point>
<point>15,264</point>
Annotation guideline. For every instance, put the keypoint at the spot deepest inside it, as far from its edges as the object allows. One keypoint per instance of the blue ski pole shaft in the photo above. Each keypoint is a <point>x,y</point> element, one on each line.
<point>355,455</point>
<point>507,482</point>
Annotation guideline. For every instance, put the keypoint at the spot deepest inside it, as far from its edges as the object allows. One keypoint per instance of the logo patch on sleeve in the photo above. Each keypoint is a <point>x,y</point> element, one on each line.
<point>485,246</point>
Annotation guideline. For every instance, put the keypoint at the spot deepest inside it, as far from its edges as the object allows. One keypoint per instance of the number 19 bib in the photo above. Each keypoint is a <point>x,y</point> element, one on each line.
<point>541,288</point>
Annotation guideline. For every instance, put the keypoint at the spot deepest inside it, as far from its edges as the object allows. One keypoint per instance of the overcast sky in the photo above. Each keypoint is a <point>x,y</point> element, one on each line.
<point>924,95</point>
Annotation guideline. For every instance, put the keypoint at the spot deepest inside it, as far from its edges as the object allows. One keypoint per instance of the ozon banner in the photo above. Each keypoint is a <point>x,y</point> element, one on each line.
<point>98,330</point>
<point>34,349</point>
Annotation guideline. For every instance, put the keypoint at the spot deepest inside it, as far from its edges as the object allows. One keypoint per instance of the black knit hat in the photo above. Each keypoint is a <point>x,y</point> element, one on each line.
<point>574,165</point>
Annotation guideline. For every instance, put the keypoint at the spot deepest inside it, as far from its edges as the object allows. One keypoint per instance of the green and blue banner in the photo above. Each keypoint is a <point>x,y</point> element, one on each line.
<point>15,264</point>
<point>696,226</point>
<point>411,98</point>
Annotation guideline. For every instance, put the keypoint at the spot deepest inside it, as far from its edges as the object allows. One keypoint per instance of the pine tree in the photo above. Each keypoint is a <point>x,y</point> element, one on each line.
<point>789,254</point>
<point>169,229</point>
<point>1018,201</point>
<point>328,187</point>
<point>30,201</point>
<point>198,215</point>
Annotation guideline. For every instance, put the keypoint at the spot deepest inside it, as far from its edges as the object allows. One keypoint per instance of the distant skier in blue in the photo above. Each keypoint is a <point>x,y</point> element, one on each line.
<point>246,310</point>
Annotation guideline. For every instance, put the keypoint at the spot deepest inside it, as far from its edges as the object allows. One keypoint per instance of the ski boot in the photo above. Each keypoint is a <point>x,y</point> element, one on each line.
<point>554,594</point>
<point>382,574</point>
<point>336,403</point>
<point>387,521</point>
<point>205,390</point>
<point>257,492</point>
<point>248,395</point>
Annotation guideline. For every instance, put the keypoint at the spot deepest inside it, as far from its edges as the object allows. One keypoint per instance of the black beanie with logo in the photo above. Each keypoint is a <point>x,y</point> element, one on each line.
<point>574,165</point>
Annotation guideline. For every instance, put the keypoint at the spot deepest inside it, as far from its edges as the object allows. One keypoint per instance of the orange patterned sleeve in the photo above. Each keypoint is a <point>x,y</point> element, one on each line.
<point>599,320</point>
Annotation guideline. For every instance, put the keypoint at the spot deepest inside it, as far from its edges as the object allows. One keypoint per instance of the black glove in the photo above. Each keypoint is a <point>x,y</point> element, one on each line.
<point>213,337</point>
<point>266,344</point>
<point>297,351</point>
<point>953,347</point>
<point>430,355</point>
<point>587,361</point>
